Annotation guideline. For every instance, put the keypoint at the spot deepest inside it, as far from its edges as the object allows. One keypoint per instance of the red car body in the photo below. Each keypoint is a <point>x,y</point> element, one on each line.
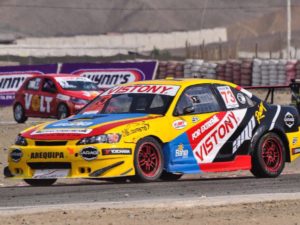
<point>53,95</point>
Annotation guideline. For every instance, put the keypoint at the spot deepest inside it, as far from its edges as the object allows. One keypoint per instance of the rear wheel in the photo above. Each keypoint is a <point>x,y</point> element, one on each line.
<point>170,176</point>
<point>19,113</point>
<point>148,160</point>
<point>40,182</point>
<point>62,111</point>
<point>268,159</point>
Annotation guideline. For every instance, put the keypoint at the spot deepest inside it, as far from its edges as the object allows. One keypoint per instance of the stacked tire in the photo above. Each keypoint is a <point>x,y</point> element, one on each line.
<point>220,70</point>
<point>273,74</point>
<point>265,78</point>
<point>298,70</point>
<point>281,70</point>
<point>256,72</point>
<point>162,70</point>
<point>236,72</point>
<point>246,71</point>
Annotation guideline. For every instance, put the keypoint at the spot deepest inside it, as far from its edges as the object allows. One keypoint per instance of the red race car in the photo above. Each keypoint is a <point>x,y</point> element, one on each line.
<point>53,95</point>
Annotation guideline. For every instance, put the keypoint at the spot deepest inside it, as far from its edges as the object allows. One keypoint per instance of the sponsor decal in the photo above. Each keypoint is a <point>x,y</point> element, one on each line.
<point>295,140</point>
<point>116,151</point>
<point>260,113</point>
<point>89,153</point>
<point>107,78</point>
<point>241,98</point>
<point>38,103</point>
<point>296,151</point>
<point>47,155</point>
<point>62,131</point>
<point>228,97</point>
<point>135,128</point>
<point>195,119</point>
<point>73,124</point>
<point>208,137</point>
<point>211,122</point>
<point>16,155</point>
<point>179,124</point>
<point>170,90</point>
<point>245,135</point>
<point>180,152</point>
<point>63,97</point>
<point>289,119</point>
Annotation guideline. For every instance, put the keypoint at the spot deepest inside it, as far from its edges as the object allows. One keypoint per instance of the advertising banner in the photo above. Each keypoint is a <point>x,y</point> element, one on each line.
<point>107,75</point>
<point>12,77</point>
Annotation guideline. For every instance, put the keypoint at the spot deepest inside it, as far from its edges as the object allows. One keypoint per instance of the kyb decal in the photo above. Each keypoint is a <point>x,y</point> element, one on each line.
<point>38,103</point>
<point>208,137</point>
<point>244,136</point>
<point>289,119</point>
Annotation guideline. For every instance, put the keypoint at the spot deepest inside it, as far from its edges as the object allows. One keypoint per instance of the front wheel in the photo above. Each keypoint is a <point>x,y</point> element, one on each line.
<point>62,111</point>
<point>148,160</point>
<point>19,113</point>
<point>40,182</point>
<point>268,159</point>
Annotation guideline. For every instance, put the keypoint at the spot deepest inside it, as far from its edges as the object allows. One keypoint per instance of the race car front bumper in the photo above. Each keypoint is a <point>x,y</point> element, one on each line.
<point>70,161</point>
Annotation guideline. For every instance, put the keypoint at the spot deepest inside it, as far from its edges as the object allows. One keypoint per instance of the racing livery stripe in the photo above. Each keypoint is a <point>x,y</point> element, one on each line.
<point>275,117</point>
<point>216,131</point>
<point>74,136</point>
<point>241,162</point>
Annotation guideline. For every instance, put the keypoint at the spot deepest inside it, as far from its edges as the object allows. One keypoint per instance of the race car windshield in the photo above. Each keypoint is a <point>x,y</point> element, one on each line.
<point>129,103</point>
<point>77,84</point>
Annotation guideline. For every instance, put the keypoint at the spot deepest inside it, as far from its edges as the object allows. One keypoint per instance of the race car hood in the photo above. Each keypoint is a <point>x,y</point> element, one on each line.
<point>86,95</point>
<point>83,125</point>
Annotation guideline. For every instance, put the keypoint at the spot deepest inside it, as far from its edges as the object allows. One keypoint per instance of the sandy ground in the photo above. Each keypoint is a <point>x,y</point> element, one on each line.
<point>272,212</point>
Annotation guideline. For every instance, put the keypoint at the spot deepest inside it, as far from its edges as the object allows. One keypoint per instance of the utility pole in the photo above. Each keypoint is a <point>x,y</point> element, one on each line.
<point>289,18</point>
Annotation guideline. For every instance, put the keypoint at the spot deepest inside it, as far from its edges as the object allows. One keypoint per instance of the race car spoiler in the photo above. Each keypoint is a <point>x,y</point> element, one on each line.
<point>294,86</point>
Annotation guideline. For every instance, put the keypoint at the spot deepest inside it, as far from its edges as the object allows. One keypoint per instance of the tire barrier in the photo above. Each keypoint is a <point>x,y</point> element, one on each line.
<point>244,72</point>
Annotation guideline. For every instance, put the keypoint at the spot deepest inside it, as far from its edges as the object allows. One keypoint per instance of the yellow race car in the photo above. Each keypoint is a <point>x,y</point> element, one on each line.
<point>160,129</point>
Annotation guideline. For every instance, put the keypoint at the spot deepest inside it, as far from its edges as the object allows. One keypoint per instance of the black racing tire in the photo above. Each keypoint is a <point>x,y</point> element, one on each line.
<point>268,159</point>
<point>148,160</point>
<point>62,111</point>
<point>170,176</point>
<point>19,113</point>
<point>40,182</point>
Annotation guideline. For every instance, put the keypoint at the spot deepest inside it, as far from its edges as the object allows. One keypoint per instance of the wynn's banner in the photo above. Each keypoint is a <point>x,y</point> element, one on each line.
<point>106,75</point>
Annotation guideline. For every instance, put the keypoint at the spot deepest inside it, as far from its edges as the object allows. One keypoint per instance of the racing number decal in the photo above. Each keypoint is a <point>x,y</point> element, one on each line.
<point>228,97</point>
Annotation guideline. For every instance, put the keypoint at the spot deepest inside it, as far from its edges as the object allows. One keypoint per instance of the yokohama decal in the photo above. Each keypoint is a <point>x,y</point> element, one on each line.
<point>208,137</point>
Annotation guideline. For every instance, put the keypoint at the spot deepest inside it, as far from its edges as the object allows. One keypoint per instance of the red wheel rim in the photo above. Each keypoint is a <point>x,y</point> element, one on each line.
<point>272,154</point>
<point>149,159</point>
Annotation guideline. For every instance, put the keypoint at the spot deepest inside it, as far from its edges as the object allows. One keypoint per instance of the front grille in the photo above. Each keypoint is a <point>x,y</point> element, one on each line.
<point>50,143</point>
<point>50,165</point>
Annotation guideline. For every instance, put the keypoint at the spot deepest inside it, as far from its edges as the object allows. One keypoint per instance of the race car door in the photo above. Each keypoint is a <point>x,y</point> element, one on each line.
<point>31,96</point>
<point>240,123</point>
<point>213,122</point>
<point>48,97</point>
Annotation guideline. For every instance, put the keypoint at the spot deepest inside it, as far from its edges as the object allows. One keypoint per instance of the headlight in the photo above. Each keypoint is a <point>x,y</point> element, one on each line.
<point>103,138</point>
<point>79,101</point>
<point>20,141</point>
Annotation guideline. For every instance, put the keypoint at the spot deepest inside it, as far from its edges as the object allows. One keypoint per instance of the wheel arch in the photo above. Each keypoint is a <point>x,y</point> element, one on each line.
<point>259,133</point>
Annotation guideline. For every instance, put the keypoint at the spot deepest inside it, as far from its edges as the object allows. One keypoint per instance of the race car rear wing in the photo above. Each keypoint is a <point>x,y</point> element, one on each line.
<point>294,87</point>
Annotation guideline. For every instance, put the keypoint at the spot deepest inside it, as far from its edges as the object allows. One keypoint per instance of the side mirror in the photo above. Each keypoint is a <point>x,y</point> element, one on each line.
<point>188,110</point>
